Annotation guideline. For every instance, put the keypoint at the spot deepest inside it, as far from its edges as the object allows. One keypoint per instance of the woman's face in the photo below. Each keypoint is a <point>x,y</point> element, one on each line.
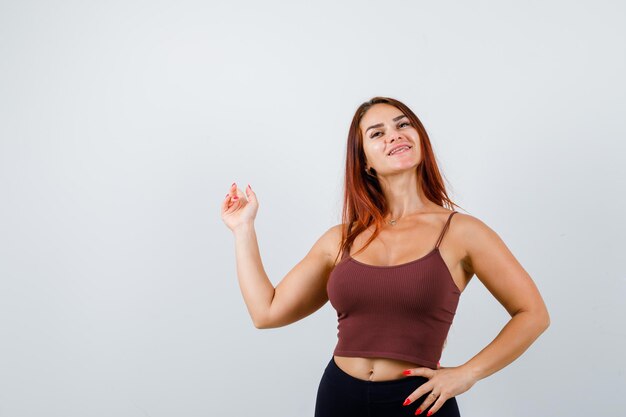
<point>384,127</point>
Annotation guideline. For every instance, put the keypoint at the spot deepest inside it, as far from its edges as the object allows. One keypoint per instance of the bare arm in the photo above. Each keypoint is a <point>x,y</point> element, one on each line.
<point>256,288</point>
<point>497,268</point>
<point>301,292</point>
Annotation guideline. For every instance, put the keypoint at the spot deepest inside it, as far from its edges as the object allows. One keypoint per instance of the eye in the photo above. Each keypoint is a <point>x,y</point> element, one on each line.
<point>402,123</point>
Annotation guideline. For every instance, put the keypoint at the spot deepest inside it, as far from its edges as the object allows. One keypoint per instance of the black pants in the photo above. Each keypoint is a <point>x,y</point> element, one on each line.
<point>342,395</point>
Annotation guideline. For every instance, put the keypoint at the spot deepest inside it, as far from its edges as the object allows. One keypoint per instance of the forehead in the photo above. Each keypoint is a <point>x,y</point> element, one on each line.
<point>379,113</point>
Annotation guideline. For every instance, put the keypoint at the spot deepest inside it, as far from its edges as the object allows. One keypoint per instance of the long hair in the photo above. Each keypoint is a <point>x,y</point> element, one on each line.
<point>364,202</point>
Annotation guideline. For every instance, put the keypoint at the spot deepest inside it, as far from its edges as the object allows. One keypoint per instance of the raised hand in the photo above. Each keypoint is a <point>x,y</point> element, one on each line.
<point>239,209</point>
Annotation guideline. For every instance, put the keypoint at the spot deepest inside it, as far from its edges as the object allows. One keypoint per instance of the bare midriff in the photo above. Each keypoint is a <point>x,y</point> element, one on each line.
<point>374,369</point>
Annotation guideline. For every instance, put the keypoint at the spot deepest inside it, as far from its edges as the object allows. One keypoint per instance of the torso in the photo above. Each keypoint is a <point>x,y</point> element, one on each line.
<point>396,245</point>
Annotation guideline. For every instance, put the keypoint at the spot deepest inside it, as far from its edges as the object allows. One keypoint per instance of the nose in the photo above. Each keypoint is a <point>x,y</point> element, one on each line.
<point>394,136</point>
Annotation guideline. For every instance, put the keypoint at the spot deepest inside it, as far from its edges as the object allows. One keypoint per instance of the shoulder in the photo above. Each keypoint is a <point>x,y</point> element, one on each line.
<point>470,228</point>
<point>456,220</point>
<point>475,237</point>
<point>330,242</point>
<point>461,227</point>
<point>333,234</point>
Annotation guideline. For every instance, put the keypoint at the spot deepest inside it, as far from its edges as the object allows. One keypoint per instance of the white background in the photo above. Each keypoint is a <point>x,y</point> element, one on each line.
<point>123,124</point>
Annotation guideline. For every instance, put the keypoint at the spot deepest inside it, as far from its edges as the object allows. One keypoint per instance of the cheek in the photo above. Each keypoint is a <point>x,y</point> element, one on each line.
<point>373,151</point>
<point>378,149</point>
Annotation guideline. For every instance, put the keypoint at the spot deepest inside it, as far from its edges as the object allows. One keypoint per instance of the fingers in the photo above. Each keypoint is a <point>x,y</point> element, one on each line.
<point>235,194</point>
<point>233,191</point>
<point>422,390</point>
<point>225,202</point>
<point>428,401</point>
<point>442,384</point>
<point>228,204</point>
<point>250,194</point>
<point>419,393</point>
<point>231,201</point>
<point>438,404</point>
<point>427,372</point>
<point>431,398</point>
<point>234,198</point>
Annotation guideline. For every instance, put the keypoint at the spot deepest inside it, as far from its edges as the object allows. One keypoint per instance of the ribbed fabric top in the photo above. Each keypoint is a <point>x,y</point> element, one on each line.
<point>400,312</point>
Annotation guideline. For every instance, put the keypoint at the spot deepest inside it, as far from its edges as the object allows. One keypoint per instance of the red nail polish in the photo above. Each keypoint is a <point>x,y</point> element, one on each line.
<point>407,401</point>
<point>407,372</point>
<point>429,413</point>
<point>235,198</point>
<point>419,411</point>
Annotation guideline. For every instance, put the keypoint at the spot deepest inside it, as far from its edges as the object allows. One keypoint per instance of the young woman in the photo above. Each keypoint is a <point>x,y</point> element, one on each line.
<point>396,296</point>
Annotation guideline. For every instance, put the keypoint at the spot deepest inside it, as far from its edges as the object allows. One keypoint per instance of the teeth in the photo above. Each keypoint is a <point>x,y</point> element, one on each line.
<point>398,149</point>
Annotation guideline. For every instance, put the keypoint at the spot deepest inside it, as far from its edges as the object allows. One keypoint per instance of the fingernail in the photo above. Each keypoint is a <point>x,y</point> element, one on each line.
<point>407,401</point>
<point>429,413</point>
<point>419,411</point>
<point>235,198</point>
<point>249,186</point>
<point>407,372</point>
<point>233,184</point>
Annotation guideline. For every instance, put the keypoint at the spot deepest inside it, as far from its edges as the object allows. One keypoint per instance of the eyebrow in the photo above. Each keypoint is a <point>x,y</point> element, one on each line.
<point>380,124</point>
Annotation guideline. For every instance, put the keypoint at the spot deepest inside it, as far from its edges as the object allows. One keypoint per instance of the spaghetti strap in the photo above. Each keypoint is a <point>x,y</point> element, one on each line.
<point>444,229</point>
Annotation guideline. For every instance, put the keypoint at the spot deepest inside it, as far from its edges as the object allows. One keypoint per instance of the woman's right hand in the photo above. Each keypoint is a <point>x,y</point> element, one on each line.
<point>236,209</point>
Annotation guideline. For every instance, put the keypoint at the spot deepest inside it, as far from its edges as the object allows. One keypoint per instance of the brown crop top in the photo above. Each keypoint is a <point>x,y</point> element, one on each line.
<point>401,311</point>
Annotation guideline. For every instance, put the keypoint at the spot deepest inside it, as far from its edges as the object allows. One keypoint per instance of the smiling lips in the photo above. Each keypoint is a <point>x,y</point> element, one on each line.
<point>401,149</point>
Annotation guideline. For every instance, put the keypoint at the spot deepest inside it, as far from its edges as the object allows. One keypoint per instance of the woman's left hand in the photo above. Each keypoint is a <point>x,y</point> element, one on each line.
<point>444,383</point>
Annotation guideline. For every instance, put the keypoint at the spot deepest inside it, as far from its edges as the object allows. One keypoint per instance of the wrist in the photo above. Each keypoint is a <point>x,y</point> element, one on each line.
<point>243,228</point>
<point>473,371</point>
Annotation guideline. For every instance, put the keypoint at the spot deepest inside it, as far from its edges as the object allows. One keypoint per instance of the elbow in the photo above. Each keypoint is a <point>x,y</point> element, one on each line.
<point>262,323</point>
<point>540,319</point>
<point>543,320</point>
<point>268,324</point>
<point>259,324</point>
